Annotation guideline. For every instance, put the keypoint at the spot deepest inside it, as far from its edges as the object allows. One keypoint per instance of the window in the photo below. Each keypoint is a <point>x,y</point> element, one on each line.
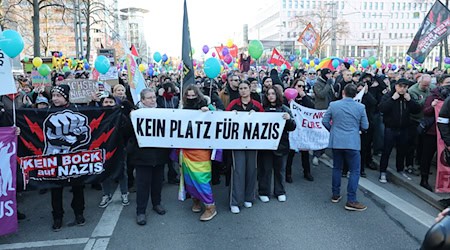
<point>375,25</point>
<point>342,5</point>
<point>381,25</point>
<point>398,6</point>
<point>296,4</point>
<point>370,25</point>
<point>307,4</point>
<point>313,5</point>
<point>409,6</point>
<point>393,6</point>
<point>362,35</point>
<point>413,25</point>
<point>373,35</point>
<point>376,5</point>
<point>289,34</point>
<point>381,6</point>
<point>412,35</point>
<point>403,15</point>
<point>364,14</point>
<point>290,4</point>
<point>396,15</point>
<point>390,35</point>
<point>370,5</point>
<point>288,13</point>
<point>364,25</point>
<point>365,5</point>
<point>395,36</point>
<point>398,26</point>
<point>420,6</point>
<point>302,4</point>
<point>404,6</point>
<point>408,25</point>
<point>403,25</point>
<point>284,4</point>
<point>414,6</point>
<point>392,25</point>
<point>407,15</point>
<point>401,35</point>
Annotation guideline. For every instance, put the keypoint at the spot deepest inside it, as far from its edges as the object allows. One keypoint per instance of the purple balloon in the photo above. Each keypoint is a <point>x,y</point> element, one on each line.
<point>225,51</point>
<point>437,58</point>
<point>205,49</point>
<point>447,60</point>
<point>227,59</point>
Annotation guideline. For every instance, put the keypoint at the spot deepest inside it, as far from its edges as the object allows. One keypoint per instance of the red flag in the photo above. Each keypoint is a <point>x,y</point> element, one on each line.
<point>278,59</point>
<point>233,51</point>
<point>134,51</point>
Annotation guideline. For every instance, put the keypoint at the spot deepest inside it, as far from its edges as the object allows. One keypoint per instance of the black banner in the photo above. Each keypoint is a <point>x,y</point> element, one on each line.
<point>188,67</point>
<point>435,27</point>
<point>58,146</point>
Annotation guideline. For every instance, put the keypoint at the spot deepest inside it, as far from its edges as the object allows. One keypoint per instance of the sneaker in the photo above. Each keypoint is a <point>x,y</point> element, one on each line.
<point>210,212</point>
<point>57,224</point>
<point>79,220</point>
<point>382,178</point>
<point>355,206</point>
<point>405,174</point>
<point>235,209</point>
<point>315,161</point>
<point>196,206</point>
<point>125,201</point>
<point>264,198</point>
<point>106,199</point>
<point>248,204</point>
<point>336,198</point>
<point>282,198</point>
<point>140,219</point>
<point>409,169</point>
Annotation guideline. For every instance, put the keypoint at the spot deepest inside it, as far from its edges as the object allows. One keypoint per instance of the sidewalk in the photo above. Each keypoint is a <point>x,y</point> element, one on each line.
<point>437,200</point>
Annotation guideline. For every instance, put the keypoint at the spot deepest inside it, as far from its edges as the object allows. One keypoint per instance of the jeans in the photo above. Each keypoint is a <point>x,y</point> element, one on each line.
<point>394,137</point>
<point>353,158</point>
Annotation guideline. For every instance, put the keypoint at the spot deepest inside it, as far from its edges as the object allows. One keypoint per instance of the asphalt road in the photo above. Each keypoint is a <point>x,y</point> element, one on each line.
<point>307,220</point>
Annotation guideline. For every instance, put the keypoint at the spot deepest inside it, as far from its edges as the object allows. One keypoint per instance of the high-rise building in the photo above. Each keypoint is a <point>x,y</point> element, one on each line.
<point>383,28</point>
<point>131,27</point>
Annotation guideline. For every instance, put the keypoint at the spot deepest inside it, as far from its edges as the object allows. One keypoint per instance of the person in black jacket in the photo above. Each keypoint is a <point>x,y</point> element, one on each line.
<point>149,164</point>
<point>275,159</point>
<point>306,101</point>
<point>396,107</point>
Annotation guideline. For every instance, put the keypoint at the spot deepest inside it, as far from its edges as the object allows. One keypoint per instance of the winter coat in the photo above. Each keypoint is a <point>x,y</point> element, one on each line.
<point>396,113</point>
<point>283,147</point>
<point>324,93</point>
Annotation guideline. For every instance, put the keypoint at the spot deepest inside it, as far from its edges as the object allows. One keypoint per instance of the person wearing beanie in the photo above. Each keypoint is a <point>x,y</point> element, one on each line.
<point>60,96</point>
<point>275,78</point>
<point>310,80</point>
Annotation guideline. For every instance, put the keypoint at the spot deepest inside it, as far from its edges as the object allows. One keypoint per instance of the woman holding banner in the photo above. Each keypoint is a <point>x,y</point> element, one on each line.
<point>275,159</point>
<point>306,101</point>
<point>243,182</point>
<point>196,164</point>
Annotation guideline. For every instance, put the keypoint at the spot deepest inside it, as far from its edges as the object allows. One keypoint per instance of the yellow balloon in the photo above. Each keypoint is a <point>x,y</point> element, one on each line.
<point>409,66</point>
<point>141,67</point>
<point>230,43</point>
<point>235,65</point>
<point>37,62</point>
<point>378,63</point>
<point>352,69</point>
<point>311,63</point>
<point>317,67</point>
<point>221,68</point>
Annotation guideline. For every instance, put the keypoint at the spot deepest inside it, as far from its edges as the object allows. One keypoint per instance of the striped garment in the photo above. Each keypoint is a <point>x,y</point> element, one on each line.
<point>196,175</point>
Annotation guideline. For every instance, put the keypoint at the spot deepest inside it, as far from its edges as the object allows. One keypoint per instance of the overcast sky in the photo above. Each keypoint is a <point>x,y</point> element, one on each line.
<point>211,22</point>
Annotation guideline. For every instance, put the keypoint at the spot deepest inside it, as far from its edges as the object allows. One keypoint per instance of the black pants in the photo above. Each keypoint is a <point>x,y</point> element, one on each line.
<point>277,165</point>
<point>429,149</point>
<point>171,173</point>
<point>305,162</point>
<point>366,149</point>
<point>77,201</point>
<point>130,170</point>
<point>415,145</point>
<point>399,139</point>
<point>148,177</point>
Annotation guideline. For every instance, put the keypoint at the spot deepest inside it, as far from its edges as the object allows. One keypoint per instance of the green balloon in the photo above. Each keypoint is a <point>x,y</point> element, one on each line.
<point>297,51</point>
<point>391,60</point>
<point>296,64</point>
<point>26,59</point>
<point>255,49</point>
<point>44,70</point>
<point>447,66</point>
<point>66,69</point>
<point>372,60</point>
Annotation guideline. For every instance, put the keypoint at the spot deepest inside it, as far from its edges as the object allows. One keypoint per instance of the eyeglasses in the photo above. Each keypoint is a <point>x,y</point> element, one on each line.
<point>235,80</point>
<point>312,73</point>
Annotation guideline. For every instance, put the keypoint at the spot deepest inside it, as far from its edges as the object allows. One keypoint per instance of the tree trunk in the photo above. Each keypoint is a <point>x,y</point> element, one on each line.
<point>88,38</point>
<point>36,35</point>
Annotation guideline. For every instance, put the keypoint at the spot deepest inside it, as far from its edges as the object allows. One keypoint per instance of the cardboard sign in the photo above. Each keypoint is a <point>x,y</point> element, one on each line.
<point>81,90</point>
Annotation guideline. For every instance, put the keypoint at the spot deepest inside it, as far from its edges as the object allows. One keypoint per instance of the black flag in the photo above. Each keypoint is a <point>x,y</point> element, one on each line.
<point>435,27</point>
<point>188,68</point>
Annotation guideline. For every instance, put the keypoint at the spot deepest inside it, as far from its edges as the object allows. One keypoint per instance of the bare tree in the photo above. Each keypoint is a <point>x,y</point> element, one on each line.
<point>321,21</point>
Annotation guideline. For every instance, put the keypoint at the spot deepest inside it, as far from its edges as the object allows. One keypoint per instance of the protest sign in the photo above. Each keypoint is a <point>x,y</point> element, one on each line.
<point>8,205</point>
<point>8,85</point>
<point>38,80</point>
<point>443,167</point>
<point>310,134</point>
<point>81,90</point>
<point>175,128</point>
<point>111,77</point>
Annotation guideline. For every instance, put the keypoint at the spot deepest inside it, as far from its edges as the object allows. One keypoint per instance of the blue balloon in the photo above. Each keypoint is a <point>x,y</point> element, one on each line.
<point>291,58</point>
<point>364,63</point>
<point>335,63</point>
<point>102,64</point>
<point>157,57</point>
<point>408,58</point>
<point>316,61</point>
<point>212,67</point>
<point>11,43</point>
<point>150,71</point>
<point>225,51</point>
<point>304,60</point>
<point>86,66</point>
<point>164,58</point>
<point>394,67</point>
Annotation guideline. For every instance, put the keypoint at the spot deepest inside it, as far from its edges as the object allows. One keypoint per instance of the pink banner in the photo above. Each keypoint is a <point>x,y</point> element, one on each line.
<point>8,151</point>
<point>443,169</point>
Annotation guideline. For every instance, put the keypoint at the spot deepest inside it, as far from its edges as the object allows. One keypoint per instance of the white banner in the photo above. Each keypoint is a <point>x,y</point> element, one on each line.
<point>8,85</point>
<point>177,128</point>
<point>310,134</point>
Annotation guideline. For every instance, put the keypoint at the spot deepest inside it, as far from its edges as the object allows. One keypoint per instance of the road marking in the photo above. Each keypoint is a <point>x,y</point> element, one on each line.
<point>101,244</point>
<point>108,221</point>
<point>392,199</point>
<point>46,243</point>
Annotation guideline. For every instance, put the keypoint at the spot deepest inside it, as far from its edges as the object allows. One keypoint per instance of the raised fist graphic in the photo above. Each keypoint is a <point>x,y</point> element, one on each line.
<point>65,131</point>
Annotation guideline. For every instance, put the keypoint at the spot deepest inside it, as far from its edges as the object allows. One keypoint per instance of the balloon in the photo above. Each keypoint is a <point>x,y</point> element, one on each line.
<point>212,67</point>
<point>157,57</point>
<point>290,94</point>
<point>283,67</point>
<point>55,54</point>
<point>391,60</point>
<point>60,54</point>
<point>297,52</point>
<point>296,64</point>
<point>374,66</point>
<point>194,62</point>
<point>352,69</point>
<point>311,63</point>
<point>255,49</point>
<point>221,68</point>
<point>394,67</point>
<point>66,69</point>
<point>150,72</point>
<point>11,43</point>
<point>378,63</point>
<point>229,43</point>
<point>164,58</point>
<point>205,49</point>
<point>316,61</point>
<point>228,59</point>
<point>102,64</point>
<point>408,58</point>
<point>335,63</point>
<point>447,60</point>
<point>291,58</point>
<point>213,54</point>
<point>409,66</point>
<point>364,63</point>
<point>389,65</point>
<point>86,66</point>
<point>225,52</point>
<point>37,62</point>
<point>44,70</point>
<point>193,51</point>
<point>372,60</point>
<point>447,66</point>
<point>26,59</point>
<point>141,67</point>
<point>235,65</point>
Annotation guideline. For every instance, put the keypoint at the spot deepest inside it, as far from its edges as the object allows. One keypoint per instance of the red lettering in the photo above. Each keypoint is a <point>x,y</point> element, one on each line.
<point>308,124</point>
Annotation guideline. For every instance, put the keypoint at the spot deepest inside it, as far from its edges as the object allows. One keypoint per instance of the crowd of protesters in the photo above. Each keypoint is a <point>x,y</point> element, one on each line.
<point>397,103</point>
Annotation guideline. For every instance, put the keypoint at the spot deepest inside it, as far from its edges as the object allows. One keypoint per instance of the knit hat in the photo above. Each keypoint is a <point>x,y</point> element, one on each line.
<point>265,78</point>
<point>403,81</point>
<point>63,90</point>
<point>41,99</point>
<point>251,79</point>
<point>324,72</point>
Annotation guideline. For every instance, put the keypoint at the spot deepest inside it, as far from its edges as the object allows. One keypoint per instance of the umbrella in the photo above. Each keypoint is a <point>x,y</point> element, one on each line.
<point>328,62</point>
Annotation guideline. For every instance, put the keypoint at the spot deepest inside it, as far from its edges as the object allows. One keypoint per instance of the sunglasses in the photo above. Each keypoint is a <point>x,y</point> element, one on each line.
<point>312,73</point>
<point>300,86</point>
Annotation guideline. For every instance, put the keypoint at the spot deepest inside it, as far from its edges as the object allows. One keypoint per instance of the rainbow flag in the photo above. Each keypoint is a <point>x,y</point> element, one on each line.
<point>195,178</point>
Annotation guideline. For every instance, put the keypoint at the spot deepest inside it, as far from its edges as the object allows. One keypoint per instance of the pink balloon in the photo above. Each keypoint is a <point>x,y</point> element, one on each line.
<point>290,93</point>
<point>228,59</point>
<point>213,54</point>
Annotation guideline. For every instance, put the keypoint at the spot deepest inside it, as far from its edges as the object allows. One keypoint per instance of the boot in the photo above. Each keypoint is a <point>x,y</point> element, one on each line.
<point>210,212</point>
<point>424,183</point>
<point>288,179</point>
<point>196,206</point>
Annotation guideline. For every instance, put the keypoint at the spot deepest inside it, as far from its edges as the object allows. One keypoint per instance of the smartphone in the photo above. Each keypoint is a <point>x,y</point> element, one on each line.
<point>103,94</point>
